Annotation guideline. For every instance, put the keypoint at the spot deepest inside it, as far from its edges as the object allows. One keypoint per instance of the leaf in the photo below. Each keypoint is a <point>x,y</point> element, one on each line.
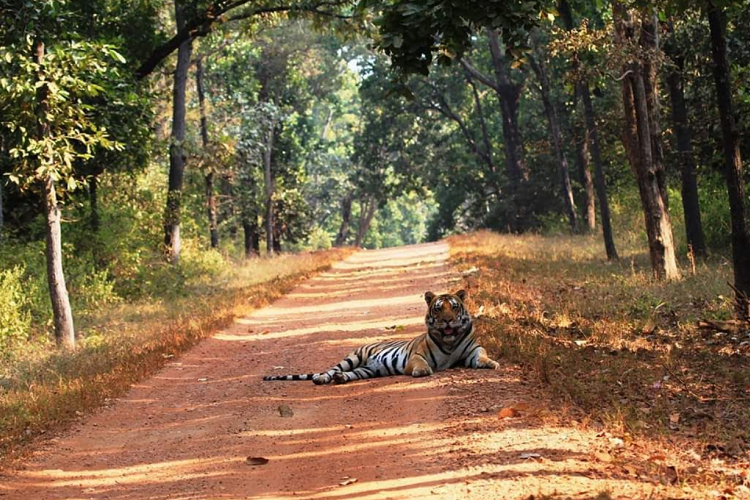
<point>256,461</point>
<point>603,456</point>
<point>348,481</point>
<point>526,456</point>
<point>508,413</point>
<point>674,418</point>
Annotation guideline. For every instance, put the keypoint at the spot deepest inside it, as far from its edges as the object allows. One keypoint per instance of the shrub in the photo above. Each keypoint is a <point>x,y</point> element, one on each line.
<point>15,308</point>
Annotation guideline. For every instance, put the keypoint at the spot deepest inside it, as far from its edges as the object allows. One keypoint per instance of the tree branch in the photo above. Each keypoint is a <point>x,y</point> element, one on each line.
<point>479,75</point>
<point>203,24</point>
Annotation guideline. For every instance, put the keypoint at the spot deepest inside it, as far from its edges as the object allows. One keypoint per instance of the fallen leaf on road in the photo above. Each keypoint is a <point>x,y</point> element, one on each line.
<point>632,470</point>
<point>256,461</point>
<point>203,379</point>
<point>603,456</point>
<point>521,406</point>
<point>348,481</point>
<point>674,418</point>
<point>526,456</point>
<point>508,413</point>
<point>657,457</point>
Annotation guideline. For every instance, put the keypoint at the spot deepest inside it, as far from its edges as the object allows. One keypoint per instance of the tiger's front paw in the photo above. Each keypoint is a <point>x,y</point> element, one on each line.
<point>321,379</point>
<point>488,364</point>
<point>421,371</point>
<point>340,378</point>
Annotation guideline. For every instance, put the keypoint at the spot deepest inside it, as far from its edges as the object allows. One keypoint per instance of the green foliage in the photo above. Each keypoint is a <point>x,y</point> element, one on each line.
<point>410,32</point>
<point>15,316</point>
<point>70,74</point>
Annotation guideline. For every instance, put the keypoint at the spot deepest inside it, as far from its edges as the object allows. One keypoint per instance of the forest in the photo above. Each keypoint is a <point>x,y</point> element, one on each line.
<point>160,157</point>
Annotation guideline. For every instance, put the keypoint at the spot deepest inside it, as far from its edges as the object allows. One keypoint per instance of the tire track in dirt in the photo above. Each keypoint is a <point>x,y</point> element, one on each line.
<point>186,432</point>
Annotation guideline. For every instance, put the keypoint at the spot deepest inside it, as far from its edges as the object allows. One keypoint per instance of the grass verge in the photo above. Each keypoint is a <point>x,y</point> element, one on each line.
<point>618,347</point>
<point>42,389</point>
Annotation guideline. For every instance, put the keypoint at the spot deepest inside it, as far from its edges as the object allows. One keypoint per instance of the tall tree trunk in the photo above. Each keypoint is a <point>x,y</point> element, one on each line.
<point>2,218</point>
<point>177,156</point>
<point>268,178</point>
<point>732,161</point>
<point>346,215</point>
<point>690,201</point>
<point>277,238</point>
<point>251,238</point>
<point>585,178</point>
<point>638,142</point>
<point>210,197</point>
<point>600,181</point>
<point>649,41</point>
<point>58,292</point>
<point>367,211</point>
<point>94,203</point>
<point>509,95</point>
<point>556,139</point>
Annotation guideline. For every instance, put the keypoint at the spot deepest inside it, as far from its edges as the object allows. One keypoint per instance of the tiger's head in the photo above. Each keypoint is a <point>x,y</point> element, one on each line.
<point>447,318</point>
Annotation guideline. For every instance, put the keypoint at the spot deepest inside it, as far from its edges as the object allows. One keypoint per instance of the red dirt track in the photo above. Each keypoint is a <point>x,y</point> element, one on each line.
<point>186,433</point>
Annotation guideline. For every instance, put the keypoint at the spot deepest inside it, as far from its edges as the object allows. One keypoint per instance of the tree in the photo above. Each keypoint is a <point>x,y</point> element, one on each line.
<point>183,10</point>
<point>690,201</point>
<point>582,91</point>
<point>51,127</point>
<point>509,95</point>
<point>732,160</point>
<point>639,137</point>
<point>538,65</point>
<point>209,176</point>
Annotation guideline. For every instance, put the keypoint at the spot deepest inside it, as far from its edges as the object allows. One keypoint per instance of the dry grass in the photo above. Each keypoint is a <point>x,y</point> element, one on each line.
<point>620,348</point>
<point>42,390</point>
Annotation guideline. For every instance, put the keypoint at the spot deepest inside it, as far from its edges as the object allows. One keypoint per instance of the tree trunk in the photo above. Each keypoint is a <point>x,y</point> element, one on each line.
<point>367,211</point>
<point>268,179</point>
<point>177,156</point>
<point>94,204</point>
<point>732,161</point>
<point>556,139</point>
<point>346,215</point>
<point>638,141</point>
<point>585,178</point>
<point>600,181</point>
<point>509,95</point>
<point>2,218</point>
<point>690,201</point>
<point>58,292</point>
<point>210,197</point>
<point>251,239</point>
<point>649,41</point>
<point>277,239</point>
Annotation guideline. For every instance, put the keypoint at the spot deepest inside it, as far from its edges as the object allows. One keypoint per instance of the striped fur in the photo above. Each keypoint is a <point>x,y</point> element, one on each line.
<point>449,342</point>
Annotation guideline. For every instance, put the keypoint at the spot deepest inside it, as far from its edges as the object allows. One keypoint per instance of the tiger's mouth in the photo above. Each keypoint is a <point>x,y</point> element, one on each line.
<point>448,331</point>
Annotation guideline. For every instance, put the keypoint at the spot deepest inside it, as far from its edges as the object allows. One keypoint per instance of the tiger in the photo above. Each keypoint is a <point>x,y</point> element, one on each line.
<point>448,342</point>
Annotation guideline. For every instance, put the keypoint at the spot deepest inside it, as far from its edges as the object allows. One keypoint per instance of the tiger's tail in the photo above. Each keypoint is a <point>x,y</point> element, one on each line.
<point>301,376</point>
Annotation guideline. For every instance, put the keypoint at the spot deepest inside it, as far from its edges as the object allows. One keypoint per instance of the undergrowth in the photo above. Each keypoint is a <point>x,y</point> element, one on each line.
<point>42,388</point>
<point>621,348</point>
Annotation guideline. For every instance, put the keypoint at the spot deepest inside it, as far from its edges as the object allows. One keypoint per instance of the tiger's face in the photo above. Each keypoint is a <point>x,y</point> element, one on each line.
<point>447,319</point>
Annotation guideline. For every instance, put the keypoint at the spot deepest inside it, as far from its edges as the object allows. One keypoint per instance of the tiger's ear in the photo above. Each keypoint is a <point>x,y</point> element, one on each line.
<point>428,296</point>
<point>461,294</point>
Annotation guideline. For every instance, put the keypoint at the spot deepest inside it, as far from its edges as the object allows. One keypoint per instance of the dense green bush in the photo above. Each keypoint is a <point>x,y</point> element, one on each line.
<point>15,313</point>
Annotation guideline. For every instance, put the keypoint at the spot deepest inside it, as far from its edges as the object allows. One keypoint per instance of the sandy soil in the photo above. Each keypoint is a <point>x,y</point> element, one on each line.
<point>187,432</point>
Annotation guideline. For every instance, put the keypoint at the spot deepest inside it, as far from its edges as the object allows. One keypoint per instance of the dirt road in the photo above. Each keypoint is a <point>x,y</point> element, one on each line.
<point>186,433</point>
